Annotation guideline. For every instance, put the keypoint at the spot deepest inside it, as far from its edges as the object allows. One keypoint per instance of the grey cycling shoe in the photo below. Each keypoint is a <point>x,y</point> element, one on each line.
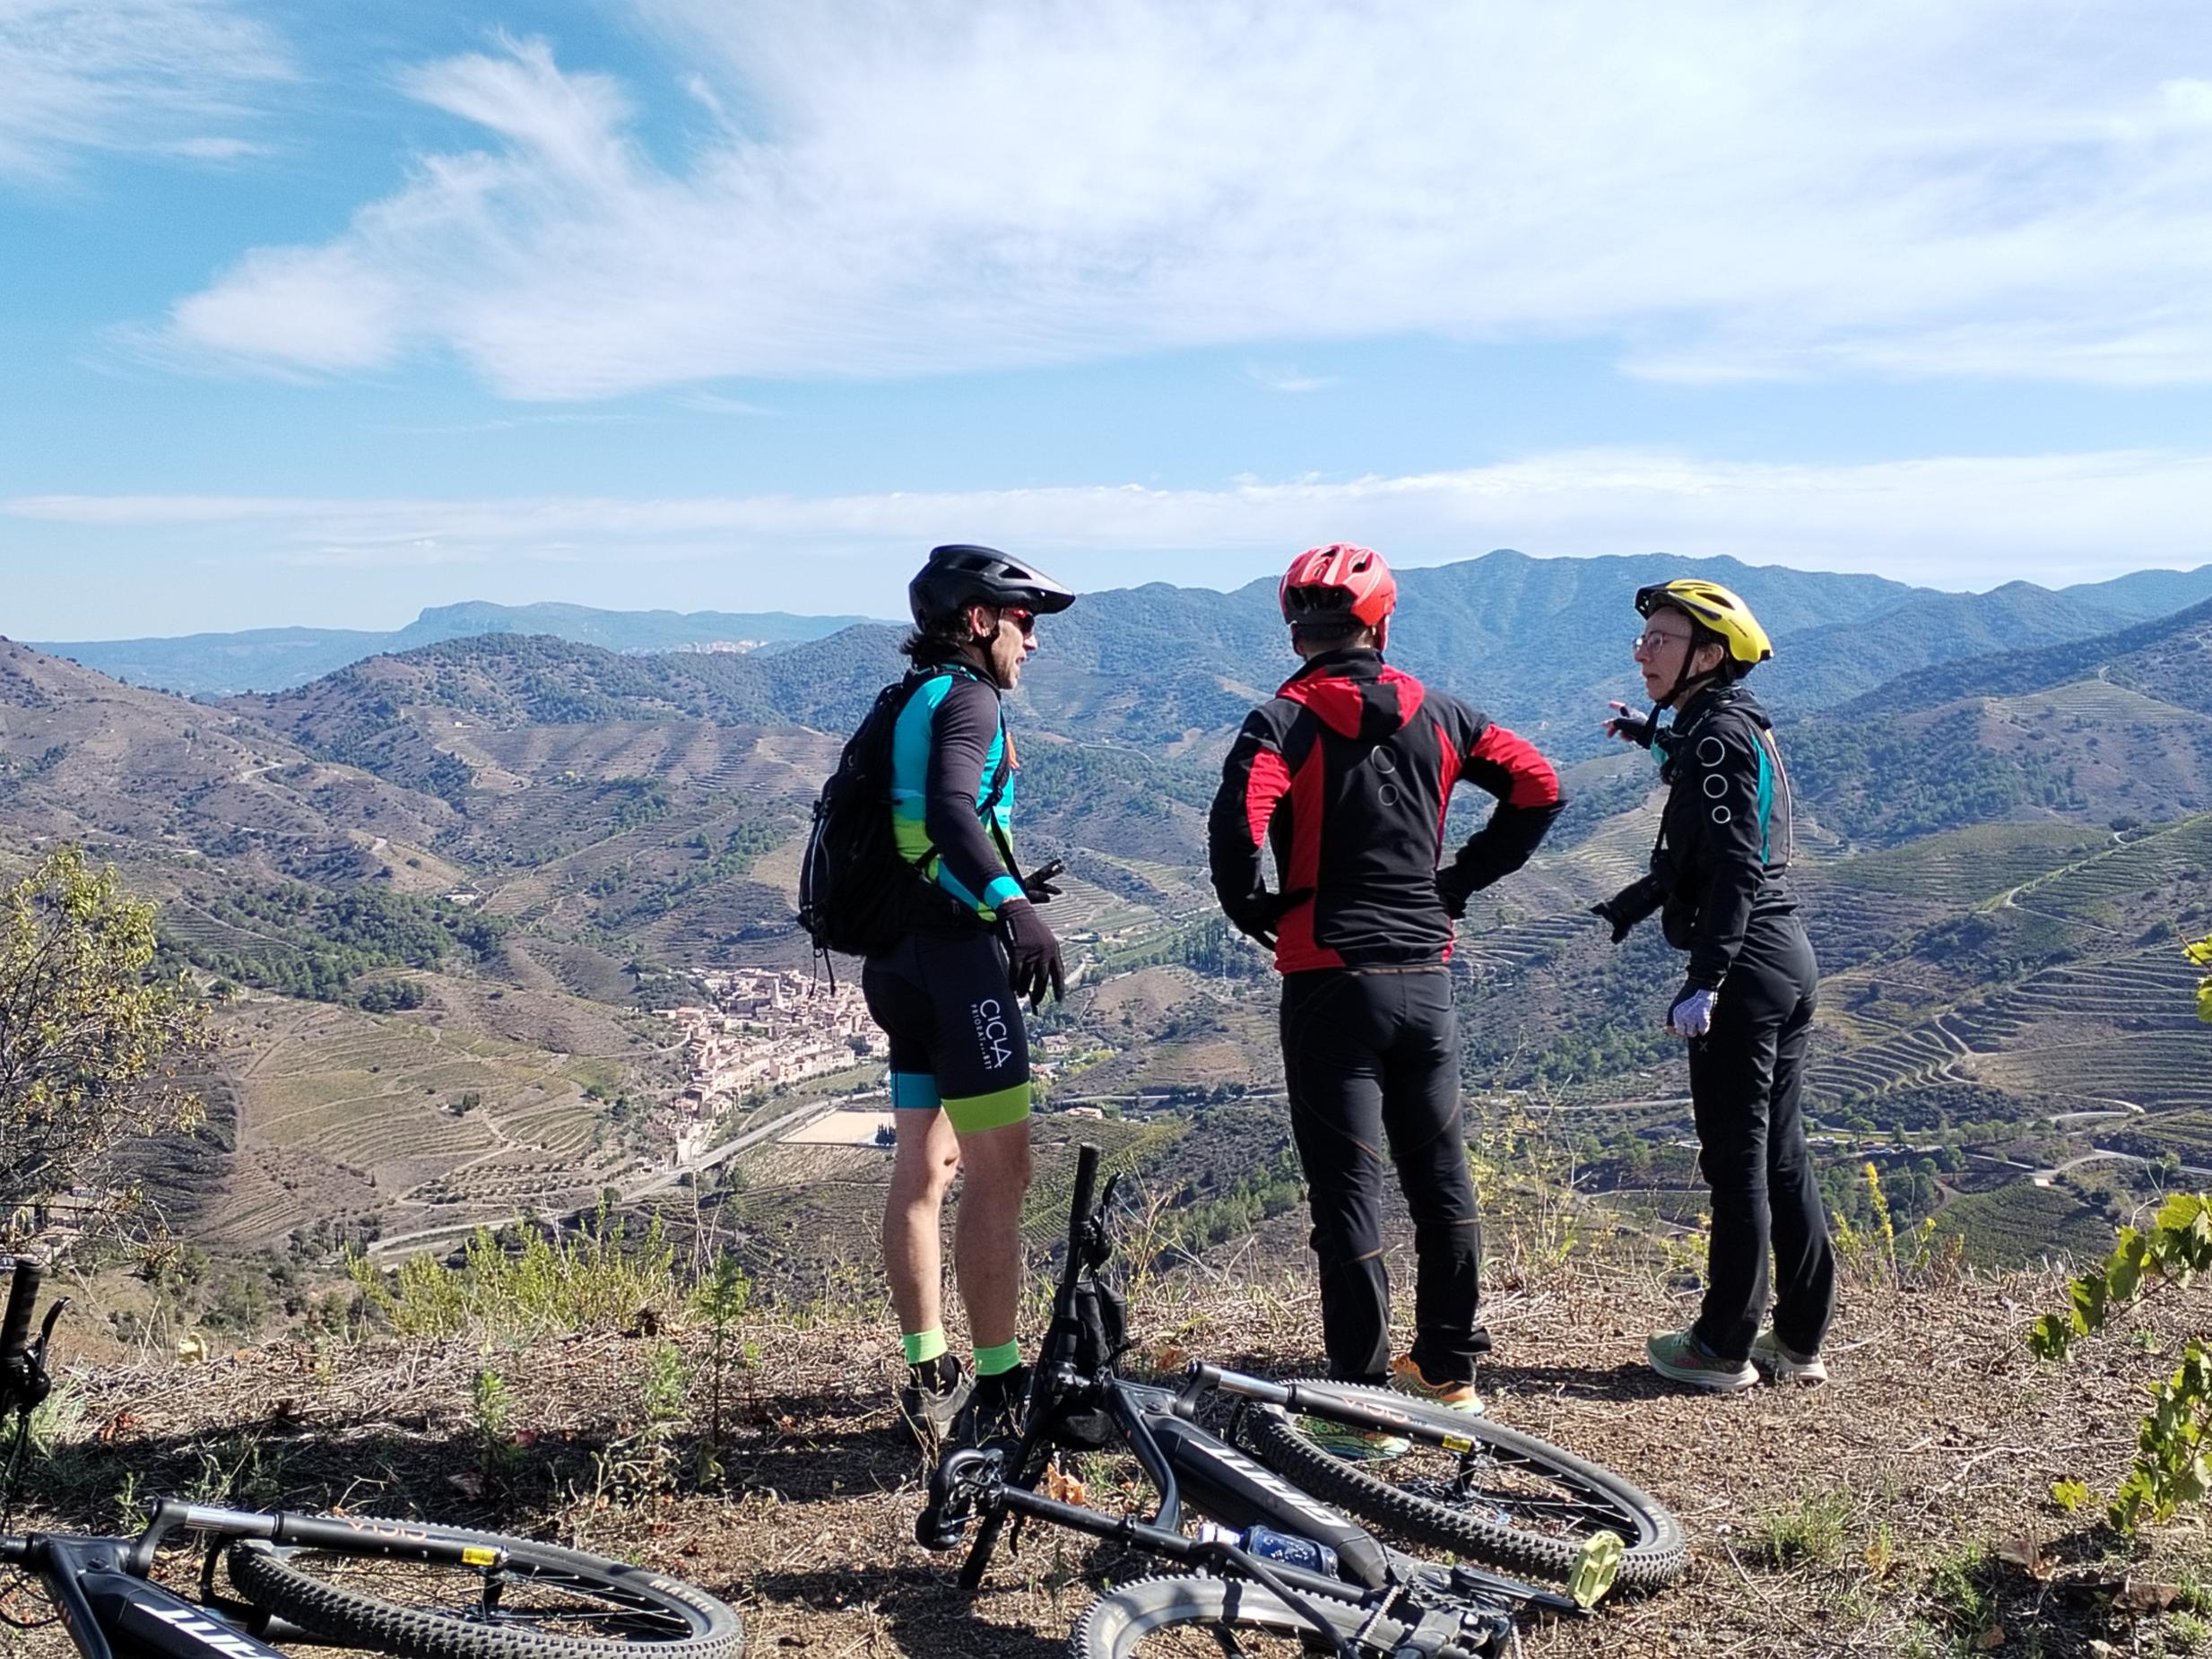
<point>930,1414</point>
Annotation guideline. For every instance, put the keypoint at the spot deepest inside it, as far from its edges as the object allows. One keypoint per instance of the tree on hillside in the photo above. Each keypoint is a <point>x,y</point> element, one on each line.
<point>90,1046</point>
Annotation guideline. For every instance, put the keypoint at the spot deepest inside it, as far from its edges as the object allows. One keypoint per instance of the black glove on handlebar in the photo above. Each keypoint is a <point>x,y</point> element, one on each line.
<point>1032,953</point>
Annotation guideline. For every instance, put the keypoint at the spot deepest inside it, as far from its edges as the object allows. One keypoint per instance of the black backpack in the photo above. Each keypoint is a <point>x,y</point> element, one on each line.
<point>857,895</point>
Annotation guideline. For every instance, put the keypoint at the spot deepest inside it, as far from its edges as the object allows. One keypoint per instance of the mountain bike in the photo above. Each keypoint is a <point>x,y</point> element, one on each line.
<point>1317,1579</point>
<point>402,1587</point>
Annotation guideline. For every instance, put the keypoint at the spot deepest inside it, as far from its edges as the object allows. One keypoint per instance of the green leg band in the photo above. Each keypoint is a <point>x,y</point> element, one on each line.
<point>996,1361</point>
<point>976,1112</point>
<point>923,1346</point>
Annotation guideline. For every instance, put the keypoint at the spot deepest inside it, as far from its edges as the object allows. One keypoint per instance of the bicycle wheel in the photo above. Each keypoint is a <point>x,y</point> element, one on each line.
<point>547,1603</point>
<point>1221,1618</point>
<point>1506,1498</point>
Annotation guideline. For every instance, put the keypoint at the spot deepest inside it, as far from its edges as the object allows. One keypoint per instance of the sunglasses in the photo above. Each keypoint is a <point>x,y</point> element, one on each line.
<point>1025,621</point>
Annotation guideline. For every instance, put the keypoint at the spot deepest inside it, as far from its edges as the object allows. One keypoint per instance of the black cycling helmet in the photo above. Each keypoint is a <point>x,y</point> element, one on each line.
<point>960,575</point>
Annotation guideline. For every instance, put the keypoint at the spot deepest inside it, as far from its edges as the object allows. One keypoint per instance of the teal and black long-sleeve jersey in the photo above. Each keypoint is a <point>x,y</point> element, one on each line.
<point>952,789</point>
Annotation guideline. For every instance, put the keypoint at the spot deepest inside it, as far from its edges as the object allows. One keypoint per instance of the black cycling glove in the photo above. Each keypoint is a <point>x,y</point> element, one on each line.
<point>1260,919</point>
<point>1630,725</point>
<point>1032,953</point>
<point>1629,905</point>
<point>1039,883</point>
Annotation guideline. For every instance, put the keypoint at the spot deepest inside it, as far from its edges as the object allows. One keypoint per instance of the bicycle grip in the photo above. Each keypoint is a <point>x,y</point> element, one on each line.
<point>22,1302</point>
<point>1086,1183</point>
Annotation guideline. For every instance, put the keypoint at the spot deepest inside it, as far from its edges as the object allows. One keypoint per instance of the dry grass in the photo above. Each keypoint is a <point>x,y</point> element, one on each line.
<point>1902,1509</point>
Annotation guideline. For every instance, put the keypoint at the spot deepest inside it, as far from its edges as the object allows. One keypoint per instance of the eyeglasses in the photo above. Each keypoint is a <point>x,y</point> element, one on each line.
<point>1649,643</point>
<point>1025,621</point>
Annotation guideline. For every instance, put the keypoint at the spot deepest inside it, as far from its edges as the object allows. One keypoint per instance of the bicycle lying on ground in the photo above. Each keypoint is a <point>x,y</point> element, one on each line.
<point>1276,1562</point>
<point>402,1587</point>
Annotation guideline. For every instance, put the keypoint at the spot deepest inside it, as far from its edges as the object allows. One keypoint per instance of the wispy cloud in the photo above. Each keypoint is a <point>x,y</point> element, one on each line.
<point>718,402</point>
<point>1728,187</point>
<point>1971,521</point>
<point>509,423</point>
<point>158,77</point>
<point>1284,377</point>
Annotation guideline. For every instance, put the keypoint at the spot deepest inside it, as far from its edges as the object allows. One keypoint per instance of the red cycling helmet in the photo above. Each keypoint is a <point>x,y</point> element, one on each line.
<point>1338,582</point>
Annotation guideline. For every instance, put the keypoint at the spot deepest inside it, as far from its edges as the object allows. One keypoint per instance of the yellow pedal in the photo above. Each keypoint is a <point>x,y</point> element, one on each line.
<point>1596,1567</point>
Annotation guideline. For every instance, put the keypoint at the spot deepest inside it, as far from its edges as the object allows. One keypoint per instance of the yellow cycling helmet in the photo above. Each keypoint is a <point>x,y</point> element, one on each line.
<point>1712,606</point>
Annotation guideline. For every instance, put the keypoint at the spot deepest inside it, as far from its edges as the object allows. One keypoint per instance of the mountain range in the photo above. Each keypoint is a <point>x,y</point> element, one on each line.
<point>1503,612</point>
<point>269,659</point>
<point>531,835</point>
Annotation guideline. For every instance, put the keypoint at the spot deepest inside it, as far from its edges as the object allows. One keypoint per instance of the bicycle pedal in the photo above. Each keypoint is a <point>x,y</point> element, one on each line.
<point>1596,1567</point>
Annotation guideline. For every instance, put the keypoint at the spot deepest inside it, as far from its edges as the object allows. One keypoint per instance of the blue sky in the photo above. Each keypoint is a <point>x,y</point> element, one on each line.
<point>321,313</point>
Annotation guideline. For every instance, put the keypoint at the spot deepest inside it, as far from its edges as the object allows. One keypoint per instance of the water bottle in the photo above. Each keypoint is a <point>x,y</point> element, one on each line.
<point>1270,1545</point>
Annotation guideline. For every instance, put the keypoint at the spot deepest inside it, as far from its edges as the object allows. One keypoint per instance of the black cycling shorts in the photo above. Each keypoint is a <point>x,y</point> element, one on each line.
<point>957,1040</point>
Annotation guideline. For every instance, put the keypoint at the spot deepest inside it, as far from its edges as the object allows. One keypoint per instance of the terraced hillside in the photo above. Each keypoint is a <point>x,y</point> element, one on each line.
<point>346,1119</point>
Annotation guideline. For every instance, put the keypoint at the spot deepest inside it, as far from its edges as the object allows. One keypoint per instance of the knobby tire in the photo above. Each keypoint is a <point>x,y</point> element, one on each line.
<point>1118,1623</point>
<point>1656,1552</point>
<point>653,1616</point>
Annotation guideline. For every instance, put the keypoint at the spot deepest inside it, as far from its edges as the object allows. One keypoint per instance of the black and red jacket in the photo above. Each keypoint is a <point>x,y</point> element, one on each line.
<point>1345,774</point>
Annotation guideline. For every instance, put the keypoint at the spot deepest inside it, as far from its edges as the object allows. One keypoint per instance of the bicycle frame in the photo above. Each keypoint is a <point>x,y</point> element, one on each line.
<point>103,1588</point>
<point>1183,1461</point>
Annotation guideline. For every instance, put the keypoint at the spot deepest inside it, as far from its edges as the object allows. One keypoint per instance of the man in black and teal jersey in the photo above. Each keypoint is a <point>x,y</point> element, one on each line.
<point>971,946</point>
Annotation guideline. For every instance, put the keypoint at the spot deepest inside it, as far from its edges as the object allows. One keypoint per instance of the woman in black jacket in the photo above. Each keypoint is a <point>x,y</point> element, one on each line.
<point>1746,1003</point>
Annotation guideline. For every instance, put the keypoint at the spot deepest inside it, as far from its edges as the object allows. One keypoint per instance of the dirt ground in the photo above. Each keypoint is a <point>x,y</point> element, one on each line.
<point>1903,1508</point>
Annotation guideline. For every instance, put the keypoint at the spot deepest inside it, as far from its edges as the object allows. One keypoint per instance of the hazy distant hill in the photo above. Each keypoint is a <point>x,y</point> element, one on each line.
<point>1487,622</point>
<point>171,782</point>
<point>2144,594</point>
<point>2170,658</point>
<point>273,659</point>
<point>2081,732</point>
<point>1540,644</point>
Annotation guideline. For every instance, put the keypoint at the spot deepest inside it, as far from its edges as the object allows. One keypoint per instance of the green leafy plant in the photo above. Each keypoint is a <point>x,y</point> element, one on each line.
<point>95,1047</point>
<point>719,1301</point>
<point>599,1280</point>
<point>640,1461</point>
<point>491,1419</point>
<point>2173,1442</point>
<point>2173,1466</point>
<point>2176,1249</point>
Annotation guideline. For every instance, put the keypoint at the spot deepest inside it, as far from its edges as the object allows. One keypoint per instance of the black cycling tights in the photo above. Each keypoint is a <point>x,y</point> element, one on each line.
<point>1746,1078</point>
<point>1372,1057</point>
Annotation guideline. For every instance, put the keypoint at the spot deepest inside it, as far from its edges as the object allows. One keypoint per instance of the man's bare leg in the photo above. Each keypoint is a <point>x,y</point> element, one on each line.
<point>927,1158</point>
<point>986,1242</point>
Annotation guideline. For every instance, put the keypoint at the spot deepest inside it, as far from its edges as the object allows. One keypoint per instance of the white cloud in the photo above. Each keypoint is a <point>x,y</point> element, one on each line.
<point>147,75</point>
<point>1729,187</point>
<point>1286,378</point>
<point>1952,522</point>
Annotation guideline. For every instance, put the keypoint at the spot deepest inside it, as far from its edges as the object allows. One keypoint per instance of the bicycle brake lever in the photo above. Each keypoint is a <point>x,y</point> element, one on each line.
<point>1097,1241</point>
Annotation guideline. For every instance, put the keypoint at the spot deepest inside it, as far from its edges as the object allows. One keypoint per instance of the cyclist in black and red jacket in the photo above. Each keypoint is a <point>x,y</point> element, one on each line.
<point>1345,776</point>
